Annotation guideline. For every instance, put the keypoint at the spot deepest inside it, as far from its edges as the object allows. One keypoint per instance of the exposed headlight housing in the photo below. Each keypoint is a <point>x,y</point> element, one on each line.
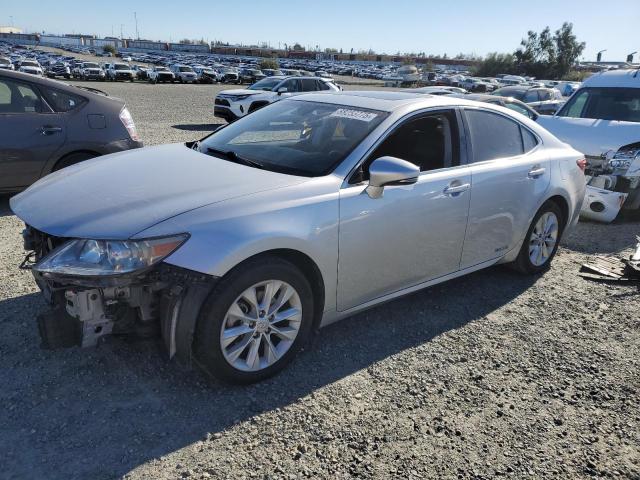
<point>127,121</point>
<point>90,258</point>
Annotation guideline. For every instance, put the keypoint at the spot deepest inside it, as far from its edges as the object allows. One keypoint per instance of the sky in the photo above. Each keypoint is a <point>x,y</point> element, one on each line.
<point>434,27</point>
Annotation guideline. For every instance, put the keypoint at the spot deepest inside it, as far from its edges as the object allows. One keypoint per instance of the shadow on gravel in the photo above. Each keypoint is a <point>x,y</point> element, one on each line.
<point>99,413</point>
<point>4,206</point>
<point>197,127</point>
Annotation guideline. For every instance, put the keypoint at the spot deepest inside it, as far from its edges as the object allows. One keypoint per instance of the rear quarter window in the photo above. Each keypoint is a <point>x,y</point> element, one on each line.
<point>493,136</point>
<point>62,101</point>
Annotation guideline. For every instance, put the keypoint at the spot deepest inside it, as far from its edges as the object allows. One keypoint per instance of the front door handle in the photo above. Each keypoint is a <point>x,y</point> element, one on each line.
<point>50,129</point>
<point>453,189</point>
<point>536,172</point>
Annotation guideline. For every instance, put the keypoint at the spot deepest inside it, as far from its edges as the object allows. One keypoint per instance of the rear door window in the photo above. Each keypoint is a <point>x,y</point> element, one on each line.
<point>17,97</point>
<point>309,85</point>
<point>62,101</point>
<point>493,136</point>
<point>530,96</point>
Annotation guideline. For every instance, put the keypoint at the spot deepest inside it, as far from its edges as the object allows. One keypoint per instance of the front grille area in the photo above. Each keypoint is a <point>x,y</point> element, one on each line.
<point>223,102</point>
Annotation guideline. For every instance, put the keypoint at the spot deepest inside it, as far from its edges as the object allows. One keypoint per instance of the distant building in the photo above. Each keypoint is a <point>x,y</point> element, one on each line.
<point>10,30</point>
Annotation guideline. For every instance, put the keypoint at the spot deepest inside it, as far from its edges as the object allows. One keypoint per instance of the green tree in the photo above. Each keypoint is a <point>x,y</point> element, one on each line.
<point>544,55</point>
<point>495,63</point>
<point>109,49</point>
<point>269,63</point>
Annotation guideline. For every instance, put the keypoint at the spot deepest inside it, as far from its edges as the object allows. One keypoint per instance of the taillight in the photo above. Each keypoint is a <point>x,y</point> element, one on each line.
<point>582,164</point>
<point>127,121</point>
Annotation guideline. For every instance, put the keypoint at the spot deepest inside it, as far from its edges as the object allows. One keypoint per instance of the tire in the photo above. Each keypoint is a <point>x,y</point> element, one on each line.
<point>214,359</point>
<point>72,159</point>
<point>524,263</point>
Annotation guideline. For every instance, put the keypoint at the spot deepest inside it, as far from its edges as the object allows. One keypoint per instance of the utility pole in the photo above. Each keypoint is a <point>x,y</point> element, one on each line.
<point>599,55</point>
<point>11,18</point>
<point>121,36</point>
<point>135,17</point>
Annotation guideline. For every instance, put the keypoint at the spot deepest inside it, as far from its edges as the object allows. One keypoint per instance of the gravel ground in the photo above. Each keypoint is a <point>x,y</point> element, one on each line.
<point>490,375</point>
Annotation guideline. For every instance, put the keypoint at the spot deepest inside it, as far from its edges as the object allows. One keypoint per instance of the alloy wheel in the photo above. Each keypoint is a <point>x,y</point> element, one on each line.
<point>261,325</point>
<point>543,239</point>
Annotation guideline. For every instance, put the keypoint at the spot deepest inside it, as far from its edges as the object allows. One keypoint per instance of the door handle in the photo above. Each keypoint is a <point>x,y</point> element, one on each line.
<point>453,189</point>
<point>536,172</point>
<point>50,130</point>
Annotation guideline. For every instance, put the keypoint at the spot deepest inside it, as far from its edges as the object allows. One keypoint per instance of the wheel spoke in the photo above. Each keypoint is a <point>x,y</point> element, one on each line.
<point>235,312</point>
<point>270,350</point>
<point>286,333</point>
<point>285,294</point>
<point>250,296</point>
<point>285,315</point>
<point>237,350</point>
<point>230,334</point>
<point>270,289</point>
<point>253,359</point>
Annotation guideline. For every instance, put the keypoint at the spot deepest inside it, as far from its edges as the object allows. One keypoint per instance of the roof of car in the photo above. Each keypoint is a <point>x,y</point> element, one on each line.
<point>378,100</point>
<point>614,78</point>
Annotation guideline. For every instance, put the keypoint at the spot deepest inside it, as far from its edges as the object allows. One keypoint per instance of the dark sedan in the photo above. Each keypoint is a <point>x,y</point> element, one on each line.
<point>545,101</point>
<point>508,102</point>
<point>46,125</point>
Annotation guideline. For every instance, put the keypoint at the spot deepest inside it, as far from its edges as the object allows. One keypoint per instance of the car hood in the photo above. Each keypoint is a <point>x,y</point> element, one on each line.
<point>592,137</point>
<point>241,91</point>
<point>119,195</point>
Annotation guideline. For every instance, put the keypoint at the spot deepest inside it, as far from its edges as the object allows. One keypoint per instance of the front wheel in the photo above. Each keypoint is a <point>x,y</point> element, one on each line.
<point>255,321</point>
<point>541,242</point>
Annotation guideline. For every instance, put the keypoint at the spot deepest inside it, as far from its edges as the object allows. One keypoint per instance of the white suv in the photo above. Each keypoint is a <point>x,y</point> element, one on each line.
<point>120,71</point>
<point>233,104</point>
<point>184,73</point>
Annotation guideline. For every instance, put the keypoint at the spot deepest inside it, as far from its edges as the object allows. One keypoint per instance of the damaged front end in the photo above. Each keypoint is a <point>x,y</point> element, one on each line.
<point>99,288</point>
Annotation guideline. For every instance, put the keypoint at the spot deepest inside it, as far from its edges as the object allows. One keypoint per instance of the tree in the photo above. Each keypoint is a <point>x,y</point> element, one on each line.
<point>269,63</point>
<point>543,55</point>
<point>495,63</point>
<point>109,49</point>
<point>297,47</point>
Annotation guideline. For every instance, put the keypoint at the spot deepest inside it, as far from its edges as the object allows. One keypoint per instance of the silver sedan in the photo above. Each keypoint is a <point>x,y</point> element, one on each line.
<point>235,248</point>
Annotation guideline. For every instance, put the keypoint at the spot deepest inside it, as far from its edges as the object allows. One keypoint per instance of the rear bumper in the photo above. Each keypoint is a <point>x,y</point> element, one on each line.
<point>120,145</point>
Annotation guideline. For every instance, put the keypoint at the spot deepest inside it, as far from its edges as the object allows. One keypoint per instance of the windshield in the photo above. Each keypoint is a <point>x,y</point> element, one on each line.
<point>296,137</point>
<point>267,84</point>
<point>185,69</point>
<point>28,63</point>
<point>121,66</point>
<point>91,65</point>
<point>604,103</point>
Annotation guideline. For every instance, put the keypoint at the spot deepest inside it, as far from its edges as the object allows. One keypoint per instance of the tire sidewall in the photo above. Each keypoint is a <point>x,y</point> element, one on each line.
<point>207,348</point>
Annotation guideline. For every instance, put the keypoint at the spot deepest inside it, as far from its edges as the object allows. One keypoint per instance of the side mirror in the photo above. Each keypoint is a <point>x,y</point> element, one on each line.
<point>387,171</point>
<point>282,90</point>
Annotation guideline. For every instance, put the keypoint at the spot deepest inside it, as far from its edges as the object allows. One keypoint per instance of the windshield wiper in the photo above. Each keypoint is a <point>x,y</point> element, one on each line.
<point>234,157</point>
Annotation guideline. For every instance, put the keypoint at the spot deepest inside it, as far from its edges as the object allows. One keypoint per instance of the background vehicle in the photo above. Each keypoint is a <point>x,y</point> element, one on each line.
<point>119,71</point>
<point>251,75</point>
<point>90,71</point>
<point>30,66</point>
<point>142,73</point>
<point>184,73</point>
<point>161,74</point>
<point>5,63</point>
<point>206,74</point>
<point>46,125</point>
<point>507,102</point>
<point>477,85</point>
<point>602,120</point>
<point>281,194</point>
<point>233,104</point>
<point>545,101</point>
<point>58,70</point>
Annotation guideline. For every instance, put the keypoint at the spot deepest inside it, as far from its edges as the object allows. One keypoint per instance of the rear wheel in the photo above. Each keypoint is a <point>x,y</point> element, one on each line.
<point>541,242</point>
<point>72,159</point>
<point>255,321</point>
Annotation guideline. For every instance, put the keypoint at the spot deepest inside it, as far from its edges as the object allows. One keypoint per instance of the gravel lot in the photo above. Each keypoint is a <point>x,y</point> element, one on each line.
<point>490,375</point>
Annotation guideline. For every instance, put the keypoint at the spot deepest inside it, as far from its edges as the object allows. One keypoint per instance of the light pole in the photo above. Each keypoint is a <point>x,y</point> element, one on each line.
<point>599,55</point>
<point>135,17</point>
<point>630,57</point>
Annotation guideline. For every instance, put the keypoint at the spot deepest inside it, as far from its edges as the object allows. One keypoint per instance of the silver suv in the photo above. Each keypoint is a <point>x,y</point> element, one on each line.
<point>236,248</point>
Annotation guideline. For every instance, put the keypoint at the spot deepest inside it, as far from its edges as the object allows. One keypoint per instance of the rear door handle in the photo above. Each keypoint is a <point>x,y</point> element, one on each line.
<point>453,189</point>
<point>50,129</point>
<point>536,172</point>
